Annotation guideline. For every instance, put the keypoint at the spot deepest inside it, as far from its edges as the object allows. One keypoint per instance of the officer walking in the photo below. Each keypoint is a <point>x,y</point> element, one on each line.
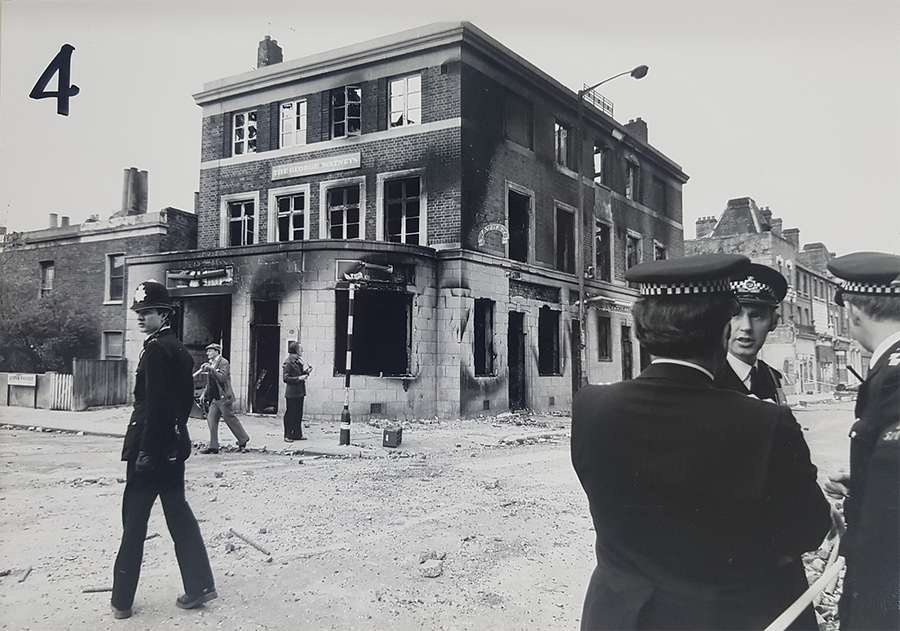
<point>871,546</point>
<point>759,293</point>
<point>156,446</point>
<point>220,396</point>
<point>698,495</point>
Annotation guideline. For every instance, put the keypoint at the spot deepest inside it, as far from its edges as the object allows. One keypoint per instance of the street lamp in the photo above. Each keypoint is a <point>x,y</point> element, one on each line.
<point>638,72</point>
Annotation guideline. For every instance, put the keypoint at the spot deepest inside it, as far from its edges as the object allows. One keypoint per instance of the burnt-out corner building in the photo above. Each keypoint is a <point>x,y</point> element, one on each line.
<point>431,173</point>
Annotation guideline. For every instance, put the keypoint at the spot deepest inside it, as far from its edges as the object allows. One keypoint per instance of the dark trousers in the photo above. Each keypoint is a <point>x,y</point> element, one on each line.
<point>141,490</point>
<point>293,418</point>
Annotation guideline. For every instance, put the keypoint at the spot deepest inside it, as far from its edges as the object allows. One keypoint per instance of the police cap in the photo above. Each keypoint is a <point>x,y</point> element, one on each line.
<point>708,274</point>
<point>762,285</point>
<point>867,274</point>
<point>151,294</point>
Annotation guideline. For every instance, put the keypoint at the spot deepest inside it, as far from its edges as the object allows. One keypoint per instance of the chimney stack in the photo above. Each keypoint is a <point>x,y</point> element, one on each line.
<point>792,235</point>
<point>134,192</point>
<point>269,52</point>
<point>637,128</point>
<point>705,226</point>
<point>54,220</point>
<point>65,221</point>
<point>766,215</point>
<point>776,226</point>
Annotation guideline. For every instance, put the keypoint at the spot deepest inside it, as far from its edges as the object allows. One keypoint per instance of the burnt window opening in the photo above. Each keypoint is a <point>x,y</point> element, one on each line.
<point>603,251</point>
<point>484,337</point>
<point>561,144</point>
<point>291,217</point>
<point>518,120</point>
<point>402,210</point>
<point>346,111</point>
<point>519,206</point>
<point>659,252</point>
<point>632,182</point>
<point>632,253</point>
<point>241,218</point>
<point>604,338</point>
<point>548,341</point>
<point>660,201</point>
<point>599,159</point>
<point>343,212</point>
<point>382,332</point>
<point>565,241</point>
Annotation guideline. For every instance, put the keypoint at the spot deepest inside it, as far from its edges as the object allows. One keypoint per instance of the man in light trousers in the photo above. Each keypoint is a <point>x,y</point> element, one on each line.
<point>220,395</point>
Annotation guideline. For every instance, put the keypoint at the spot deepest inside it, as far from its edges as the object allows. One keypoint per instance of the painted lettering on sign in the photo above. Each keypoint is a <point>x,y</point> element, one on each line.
<point>21,379</point>
<point>322,165</point>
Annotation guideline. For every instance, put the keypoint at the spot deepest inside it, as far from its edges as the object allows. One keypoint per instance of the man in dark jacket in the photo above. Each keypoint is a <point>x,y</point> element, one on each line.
<point>294,374</point>
<point>871,593</point>
<point>156,446</point>
<point>759,294</point>
<point>698,495</point>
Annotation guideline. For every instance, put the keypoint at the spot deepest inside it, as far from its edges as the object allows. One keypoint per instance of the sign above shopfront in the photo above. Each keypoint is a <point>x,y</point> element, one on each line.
<point>340,162</point>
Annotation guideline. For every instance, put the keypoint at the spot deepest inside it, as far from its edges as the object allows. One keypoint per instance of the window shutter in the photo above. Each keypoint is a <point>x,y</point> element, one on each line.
<point>326,115</point>
<point>226,135</point>
<point>274,125</point>
<point>382,100</point>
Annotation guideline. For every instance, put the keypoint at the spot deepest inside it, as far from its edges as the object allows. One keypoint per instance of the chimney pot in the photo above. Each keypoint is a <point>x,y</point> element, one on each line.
<point>65,221</point>
<point>269,52</point>
<point>54,220</point>
<point>637,128</point>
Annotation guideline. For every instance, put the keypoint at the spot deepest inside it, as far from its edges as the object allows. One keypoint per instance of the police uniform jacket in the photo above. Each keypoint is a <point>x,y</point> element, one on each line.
<point>163,396</point>
<point>292,371</point>
<point>220,373</point>
<point>871,596</point>
<point>769,377</point>
<point>697,494</point>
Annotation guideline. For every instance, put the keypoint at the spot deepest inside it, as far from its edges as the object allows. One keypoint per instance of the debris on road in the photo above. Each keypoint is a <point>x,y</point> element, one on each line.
<point>249,541</point>
<point>432,568</point>
<point>25,574</point>
<point>95,590</point>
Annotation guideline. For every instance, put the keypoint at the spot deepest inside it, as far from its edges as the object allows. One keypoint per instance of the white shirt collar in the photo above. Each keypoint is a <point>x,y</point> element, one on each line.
<point>680,362</point>
<point>740,367</point>
<point>882,348</point>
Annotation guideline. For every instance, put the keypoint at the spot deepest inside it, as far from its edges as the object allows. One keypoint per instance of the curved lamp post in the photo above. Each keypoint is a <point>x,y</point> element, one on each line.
<point>638,72</point>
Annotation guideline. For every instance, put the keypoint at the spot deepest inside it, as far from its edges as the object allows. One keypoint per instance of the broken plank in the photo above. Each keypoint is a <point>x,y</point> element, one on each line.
<point>95,590</point>
<point>249,541</point>
<point>25,574</point>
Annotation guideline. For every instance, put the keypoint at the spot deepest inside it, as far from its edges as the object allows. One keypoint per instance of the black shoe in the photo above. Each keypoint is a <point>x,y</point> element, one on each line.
<point>120,614</point>
<point>209,450</point>
<point>243,446</point>
<point>288,440</point>
<point>187,601</point>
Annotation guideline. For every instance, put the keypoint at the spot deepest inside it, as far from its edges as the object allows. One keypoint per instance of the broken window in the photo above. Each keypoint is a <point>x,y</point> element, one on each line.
<point>241,222</point>
<point>402,210</point>
<point>484,337</point>
<point>244,132</point>
<point>632,181</point>
<point>343,212</point>
<point>603,251</point>
<point>561,143</point>
<point>548,341</point>
<point>659,195</point>
<point>659,251</point>
<point>115,277</point>
<point>599,157</point>
<point>346,111</point>
<point>293,123</point>
<point>48,271</point>
<point>632,253</point>
<point>382,330</point>
<point>518,120</point>
<point>565,241</point>
<point>406,101</point>
<point>519,206</point>
<point>292,217</point>
<point>604,338</point>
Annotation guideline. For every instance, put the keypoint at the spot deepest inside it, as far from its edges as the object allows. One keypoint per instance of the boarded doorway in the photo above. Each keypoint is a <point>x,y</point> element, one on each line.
<point>627,353</point>
<point>265,335</point>
<point>515,341</point>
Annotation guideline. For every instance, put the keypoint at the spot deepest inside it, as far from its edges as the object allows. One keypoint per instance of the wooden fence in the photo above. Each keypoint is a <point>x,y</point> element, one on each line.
<point>99,382</point>
<point>61,391</point>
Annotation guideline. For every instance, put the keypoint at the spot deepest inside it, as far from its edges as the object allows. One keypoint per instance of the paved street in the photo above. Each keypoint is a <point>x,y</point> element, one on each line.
<point>347,536</point>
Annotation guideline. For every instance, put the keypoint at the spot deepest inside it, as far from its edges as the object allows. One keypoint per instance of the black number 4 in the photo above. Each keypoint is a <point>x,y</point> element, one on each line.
<point>62,64</point>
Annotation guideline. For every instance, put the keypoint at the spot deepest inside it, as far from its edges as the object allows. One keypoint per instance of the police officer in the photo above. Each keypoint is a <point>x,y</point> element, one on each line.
<point>698,495</point>
<point>759,293</point>
<point>871,546</point>
<point>156,446</point>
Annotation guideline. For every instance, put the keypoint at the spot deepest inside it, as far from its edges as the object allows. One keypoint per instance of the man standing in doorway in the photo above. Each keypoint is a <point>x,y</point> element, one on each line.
<point>871,595</point>
<point>759,294</point>
<point>220,396</point>
<point>156,446</point>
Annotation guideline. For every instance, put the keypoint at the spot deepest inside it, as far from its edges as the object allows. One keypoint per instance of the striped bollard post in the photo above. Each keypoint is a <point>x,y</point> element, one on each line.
<point>345,413</point>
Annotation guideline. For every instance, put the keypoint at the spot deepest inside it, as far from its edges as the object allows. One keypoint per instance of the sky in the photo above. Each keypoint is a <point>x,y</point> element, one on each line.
<point>795,103</point>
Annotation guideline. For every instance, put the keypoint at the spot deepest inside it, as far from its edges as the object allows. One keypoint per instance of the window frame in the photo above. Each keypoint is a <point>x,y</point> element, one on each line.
<point>528,110</point>
<point>488,353</point>
<point>225,216</point>
<point>405,96</point>
<point>561,145</point>
<point>45,286</point>
<point>634,234</point>
<point>381,181</point>
<point>557,206</point>
<point>341,370</point>
<point>555,359</point>
<point>107,292</point>
<point>610,251</point>
<point>325,218</point>
<point>331,111</point>
<point>273,212</point>
<point>659,245</point>
<point>105,344</point>
<point>245,141</point>
<point>525,192</point>
<point>599,177</point>
<point>298,135</point>
<point>607,318</point>
<point>632,181</point>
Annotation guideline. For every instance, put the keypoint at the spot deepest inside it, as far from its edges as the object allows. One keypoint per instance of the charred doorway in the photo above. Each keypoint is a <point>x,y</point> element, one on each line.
<point>515,343</point>
<point>265,342</point>
<point>627,354</point>
<point>576,356</point>
<point>202,320</point>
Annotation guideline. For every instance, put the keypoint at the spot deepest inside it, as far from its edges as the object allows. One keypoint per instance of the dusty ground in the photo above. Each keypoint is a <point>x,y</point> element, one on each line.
<point>347,537</point>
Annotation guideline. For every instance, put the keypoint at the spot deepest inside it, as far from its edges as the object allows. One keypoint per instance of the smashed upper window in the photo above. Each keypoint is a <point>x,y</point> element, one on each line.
<point>346,111</point>
<point>406,101</point>
<point>244,132</point>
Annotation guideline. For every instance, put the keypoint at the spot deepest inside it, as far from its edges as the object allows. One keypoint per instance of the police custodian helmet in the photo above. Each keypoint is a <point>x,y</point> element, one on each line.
<point>151,294</point>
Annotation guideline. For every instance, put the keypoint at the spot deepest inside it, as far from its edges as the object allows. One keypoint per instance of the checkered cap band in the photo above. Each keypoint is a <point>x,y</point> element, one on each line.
<point>750,285</point>
<point>876,289</point>
<point>718,286</point>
